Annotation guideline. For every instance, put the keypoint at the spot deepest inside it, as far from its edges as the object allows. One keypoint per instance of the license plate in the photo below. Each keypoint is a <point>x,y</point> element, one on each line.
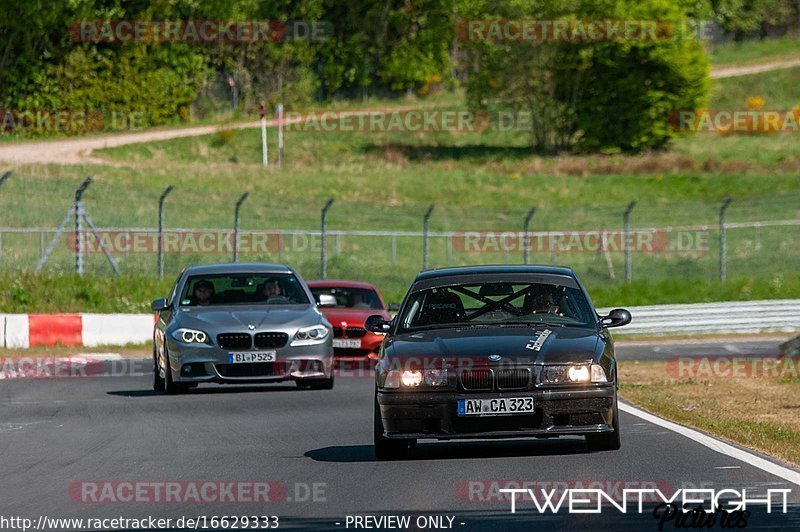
<point>339,342</point>
<point>504,406</point>
<point>247,358</point>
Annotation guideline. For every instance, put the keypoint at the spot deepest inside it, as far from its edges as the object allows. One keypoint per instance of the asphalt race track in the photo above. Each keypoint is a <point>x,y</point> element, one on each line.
<point>314,449</point>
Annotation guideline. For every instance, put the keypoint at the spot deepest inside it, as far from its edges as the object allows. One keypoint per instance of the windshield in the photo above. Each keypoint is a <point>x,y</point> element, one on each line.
<point>243,288</point>
<point>365,298</point>
<point>494,303</point>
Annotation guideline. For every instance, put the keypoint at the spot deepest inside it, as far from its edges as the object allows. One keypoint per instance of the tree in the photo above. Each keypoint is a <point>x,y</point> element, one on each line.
<point>605,94</point>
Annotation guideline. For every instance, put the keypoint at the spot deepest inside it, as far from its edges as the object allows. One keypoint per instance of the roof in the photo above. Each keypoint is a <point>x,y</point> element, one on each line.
<point>494,269</point>
<point>237,267</point>
<point>326,283</point>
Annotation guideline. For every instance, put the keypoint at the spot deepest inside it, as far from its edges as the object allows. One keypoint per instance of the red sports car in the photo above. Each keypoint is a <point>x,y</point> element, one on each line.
<point>346,304</point>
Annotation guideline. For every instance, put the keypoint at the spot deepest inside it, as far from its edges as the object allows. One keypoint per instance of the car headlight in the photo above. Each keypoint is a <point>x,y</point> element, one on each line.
<point>583,373</point>
<point>190,336</point>
<point>414,378</point>
<point>316,334</point>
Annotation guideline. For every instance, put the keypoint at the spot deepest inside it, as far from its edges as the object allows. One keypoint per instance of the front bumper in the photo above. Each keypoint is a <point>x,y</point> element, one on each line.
<point>561,412</point>
<point>204,363</point>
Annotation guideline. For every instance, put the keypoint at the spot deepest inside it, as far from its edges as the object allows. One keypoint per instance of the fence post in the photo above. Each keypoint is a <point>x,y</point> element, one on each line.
<point>526,245</point>
<point>78,224</point>
<point>264,148</point>
<point>279,113</point>
<point>236,226</point>
<point>161,199</point>
<point>425,230</point>
<point>324,231</point>
<point>723,248</point>
<point>626,218</point>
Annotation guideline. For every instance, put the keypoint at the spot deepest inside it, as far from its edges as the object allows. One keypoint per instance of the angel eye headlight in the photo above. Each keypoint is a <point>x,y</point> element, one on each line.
<point>316,334</point>
<point>190,336</point>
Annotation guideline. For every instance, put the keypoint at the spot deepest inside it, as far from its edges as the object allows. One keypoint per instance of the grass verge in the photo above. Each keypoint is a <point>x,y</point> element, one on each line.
<point>757,412</point>
<point>56,292</point>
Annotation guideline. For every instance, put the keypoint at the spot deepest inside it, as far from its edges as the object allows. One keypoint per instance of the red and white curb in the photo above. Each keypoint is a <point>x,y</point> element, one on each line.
<point>88,330</point>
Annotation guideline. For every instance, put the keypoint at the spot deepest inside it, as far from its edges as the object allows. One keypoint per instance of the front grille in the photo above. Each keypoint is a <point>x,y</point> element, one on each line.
<point>512,379</point>
<point>271,340</point>
<point>234,340</point>
<point>476,379</point>
<point>350,332</point>
<point>256,369</point>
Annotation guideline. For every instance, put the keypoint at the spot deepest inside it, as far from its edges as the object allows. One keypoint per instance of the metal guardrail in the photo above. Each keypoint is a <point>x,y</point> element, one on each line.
<point>781,315</point>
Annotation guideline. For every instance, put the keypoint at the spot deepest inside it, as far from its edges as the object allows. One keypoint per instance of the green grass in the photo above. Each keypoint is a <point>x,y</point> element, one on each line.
<point>749,52</point>
<point>60,292</point>
<point>778,88</point>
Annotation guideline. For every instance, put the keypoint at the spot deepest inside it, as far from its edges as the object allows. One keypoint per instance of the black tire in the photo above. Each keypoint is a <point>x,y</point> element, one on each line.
<point>170,386</point>
<point>158,380</point>
<point>385,448</point>
<point>608,441</point>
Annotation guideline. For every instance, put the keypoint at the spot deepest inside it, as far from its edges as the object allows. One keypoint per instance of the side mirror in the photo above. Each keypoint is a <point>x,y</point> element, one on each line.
<point>327,300</point>
<point>393,307</point>
<point>616,318</point>
<point>377,324</point>
<point>159,304</point>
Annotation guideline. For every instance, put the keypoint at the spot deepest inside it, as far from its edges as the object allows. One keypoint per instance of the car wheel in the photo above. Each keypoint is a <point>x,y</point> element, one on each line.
<point>158,380</point>
<point>608,441</point>
<point>170,386</point>
<point>385,448</point>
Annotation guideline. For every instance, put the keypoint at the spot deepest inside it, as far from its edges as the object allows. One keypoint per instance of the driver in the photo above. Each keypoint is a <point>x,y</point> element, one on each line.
<point>545,302</point>
<point>273,289</point>
<point>203,292</point>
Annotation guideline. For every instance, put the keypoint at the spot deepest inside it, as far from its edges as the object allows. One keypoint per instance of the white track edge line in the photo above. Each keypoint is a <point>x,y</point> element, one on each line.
<point>717,445</point>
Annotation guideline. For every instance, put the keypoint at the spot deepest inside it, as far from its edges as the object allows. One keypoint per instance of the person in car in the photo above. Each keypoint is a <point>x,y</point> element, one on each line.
<point>203,292</point>
<point>546,302</point>
<point>272,289</point>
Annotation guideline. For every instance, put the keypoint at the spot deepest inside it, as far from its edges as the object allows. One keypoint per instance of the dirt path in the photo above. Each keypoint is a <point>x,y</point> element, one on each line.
<point>731,72</point>
<point>79,150</point>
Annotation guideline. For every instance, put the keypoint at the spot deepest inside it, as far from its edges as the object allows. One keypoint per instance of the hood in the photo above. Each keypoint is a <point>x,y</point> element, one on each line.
<point>240,316</point>
<point>515,345</point>
<point>353,316</point>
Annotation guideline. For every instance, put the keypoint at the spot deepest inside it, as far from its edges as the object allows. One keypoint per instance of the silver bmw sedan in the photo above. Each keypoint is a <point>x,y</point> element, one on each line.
<point>240,323</point>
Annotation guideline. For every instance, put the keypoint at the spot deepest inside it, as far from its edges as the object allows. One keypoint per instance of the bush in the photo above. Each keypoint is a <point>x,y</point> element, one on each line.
<point>598,96</point>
